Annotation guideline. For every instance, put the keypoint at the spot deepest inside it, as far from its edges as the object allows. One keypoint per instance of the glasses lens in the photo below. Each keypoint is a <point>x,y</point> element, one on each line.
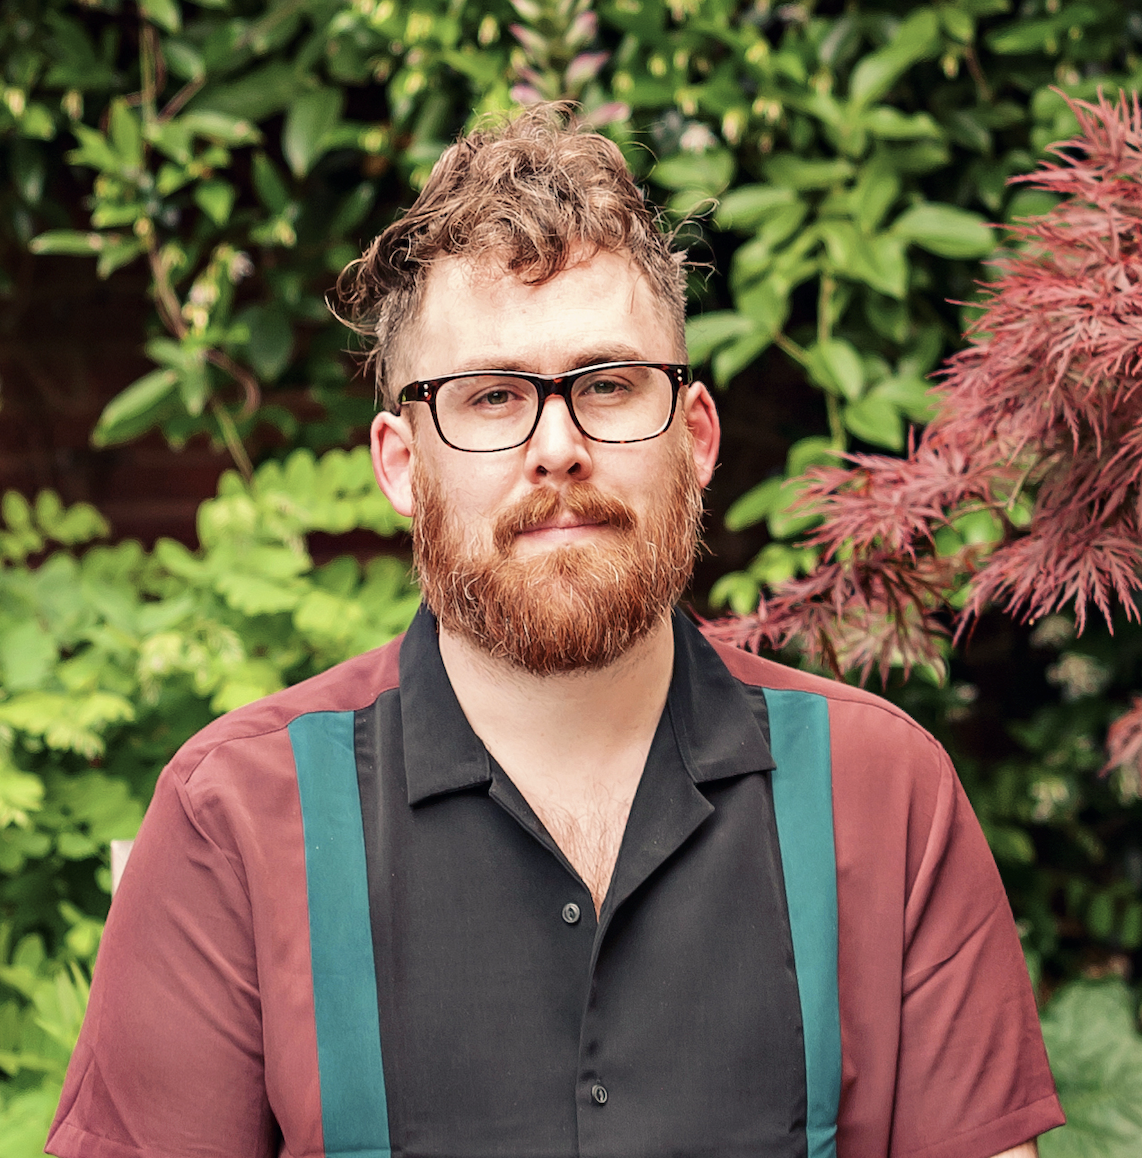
<point>486,412</point>
<point>623,403</point>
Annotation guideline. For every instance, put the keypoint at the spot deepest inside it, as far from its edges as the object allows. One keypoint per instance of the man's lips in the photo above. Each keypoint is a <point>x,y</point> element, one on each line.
<point>563,523</point>
<point>560,531</point>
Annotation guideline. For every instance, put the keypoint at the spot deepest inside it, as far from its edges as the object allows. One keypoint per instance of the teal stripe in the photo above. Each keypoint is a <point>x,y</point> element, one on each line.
<point>803,802</point>
<point>354,1112</point>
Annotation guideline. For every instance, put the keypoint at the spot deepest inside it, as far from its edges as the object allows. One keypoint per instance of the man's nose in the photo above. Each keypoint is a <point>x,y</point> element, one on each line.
<point>558,447</point>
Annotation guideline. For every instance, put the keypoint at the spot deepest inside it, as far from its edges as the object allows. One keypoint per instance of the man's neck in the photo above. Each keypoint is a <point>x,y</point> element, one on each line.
<point>574,745</point>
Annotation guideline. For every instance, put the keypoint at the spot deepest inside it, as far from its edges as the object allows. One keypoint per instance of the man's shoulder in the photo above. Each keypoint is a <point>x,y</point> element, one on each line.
<point>855,713</point>
<point>356,683</point>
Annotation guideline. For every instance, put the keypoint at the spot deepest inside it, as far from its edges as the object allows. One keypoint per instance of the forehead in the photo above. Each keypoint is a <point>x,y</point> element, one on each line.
<point>476,315</point>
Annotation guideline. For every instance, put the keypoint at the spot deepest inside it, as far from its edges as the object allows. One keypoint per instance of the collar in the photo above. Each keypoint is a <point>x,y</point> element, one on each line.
<point>719,731</point>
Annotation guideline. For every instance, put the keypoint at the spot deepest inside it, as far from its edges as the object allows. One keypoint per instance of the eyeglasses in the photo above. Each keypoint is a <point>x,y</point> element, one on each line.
<point>487,410</point>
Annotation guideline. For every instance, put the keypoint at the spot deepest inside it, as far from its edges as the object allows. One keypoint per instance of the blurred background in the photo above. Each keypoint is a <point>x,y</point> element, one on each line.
<point>189,519</point>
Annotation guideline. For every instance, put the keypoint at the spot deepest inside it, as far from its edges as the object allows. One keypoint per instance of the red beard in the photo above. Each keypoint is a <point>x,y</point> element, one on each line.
<point>571,608</point>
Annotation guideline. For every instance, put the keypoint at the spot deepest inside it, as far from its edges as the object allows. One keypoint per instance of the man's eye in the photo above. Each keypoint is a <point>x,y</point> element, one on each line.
<point>494,398</point>
<point>605,387</point>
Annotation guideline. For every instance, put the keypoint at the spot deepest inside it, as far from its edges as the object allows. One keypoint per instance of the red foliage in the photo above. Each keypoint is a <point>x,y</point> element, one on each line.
<point>1124,743</point>
<point>1044,402</point>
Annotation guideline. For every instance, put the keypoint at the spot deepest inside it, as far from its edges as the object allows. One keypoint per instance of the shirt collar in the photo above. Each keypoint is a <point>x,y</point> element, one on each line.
<point>718,730</point>
<point>441,752</point>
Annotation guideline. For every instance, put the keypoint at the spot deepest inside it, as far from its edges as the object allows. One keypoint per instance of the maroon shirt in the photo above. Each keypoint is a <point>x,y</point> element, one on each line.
<point>200,1037</point>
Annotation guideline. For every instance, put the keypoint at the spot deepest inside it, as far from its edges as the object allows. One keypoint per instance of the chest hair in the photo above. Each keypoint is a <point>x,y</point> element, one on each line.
<point>589,836</point>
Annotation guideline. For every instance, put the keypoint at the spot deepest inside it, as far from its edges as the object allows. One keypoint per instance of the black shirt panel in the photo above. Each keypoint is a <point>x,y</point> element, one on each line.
<point>513,1025</point>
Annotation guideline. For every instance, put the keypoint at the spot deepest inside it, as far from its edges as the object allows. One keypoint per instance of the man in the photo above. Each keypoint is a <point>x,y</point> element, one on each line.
<point>552,875</point>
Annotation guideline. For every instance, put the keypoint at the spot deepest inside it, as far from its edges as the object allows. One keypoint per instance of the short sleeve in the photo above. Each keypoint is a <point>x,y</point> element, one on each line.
<point>942,1051</point>
<point>170,1058</point>
<point>969,1027</point>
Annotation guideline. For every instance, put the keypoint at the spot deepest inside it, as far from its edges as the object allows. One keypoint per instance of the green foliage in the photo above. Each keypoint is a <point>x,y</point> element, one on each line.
<point>1096,1055</point>
<point>111,657</point>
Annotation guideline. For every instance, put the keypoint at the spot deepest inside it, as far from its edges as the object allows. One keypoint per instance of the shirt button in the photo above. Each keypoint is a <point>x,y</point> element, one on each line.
<point>571,916</point>
<point>599,1093</point>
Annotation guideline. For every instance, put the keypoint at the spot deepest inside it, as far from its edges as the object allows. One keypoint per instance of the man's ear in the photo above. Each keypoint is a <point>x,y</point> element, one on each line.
<point>702,418</point>
<point>390,442</point>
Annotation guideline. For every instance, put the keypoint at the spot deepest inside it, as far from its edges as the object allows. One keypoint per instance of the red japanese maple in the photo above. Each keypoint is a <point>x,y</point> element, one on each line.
<point>1043,404</point>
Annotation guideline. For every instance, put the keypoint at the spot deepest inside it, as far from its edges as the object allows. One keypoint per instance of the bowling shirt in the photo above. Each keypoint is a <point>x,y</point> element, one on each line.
<point>343,931</point>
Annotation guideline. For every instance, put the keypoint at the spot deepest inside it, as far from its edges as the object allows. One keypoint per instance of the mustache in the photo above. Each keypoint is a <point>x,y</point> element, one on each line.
<point>583,500</point>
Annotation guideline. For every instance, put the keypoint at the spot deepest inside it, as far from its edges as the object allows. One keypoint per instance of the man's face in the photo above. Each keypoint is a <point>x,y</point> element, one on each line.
<point>559,554</point>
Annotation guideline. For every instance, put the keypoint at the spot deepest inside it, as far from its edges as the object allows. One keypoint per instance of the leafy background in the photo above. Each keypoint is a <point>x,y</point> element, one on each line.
<point>832,169</point>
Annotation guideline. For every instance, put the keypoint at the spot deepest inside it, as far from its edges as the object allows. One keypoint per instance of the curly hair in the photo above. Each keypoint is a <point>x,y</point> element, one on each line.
<point>536,193</point>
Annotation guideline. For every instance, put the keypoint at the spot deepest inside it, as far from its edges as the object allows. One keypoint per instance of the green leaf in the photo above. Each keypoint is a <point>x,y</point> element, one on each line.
<point>706,332</point>
<point>878,261</point>
<point>893,125</point>
<point>876,189</point>
<point>756,504</point>
<point>255,95</point>
<point>37,123</point>
<point>164,13</point>
<point>310,120</point>
<point>945,230</point>
<point>126,134</point>
<point>1130,932</point>
<point>184,60</point>
<point>1096,1057</point>
<point>911,394</point>
<point>194,388</point>
<point>778,562</point>
<point>1026,36</point>
<point>215,199</point>
<point>94,150</point>
<point>271,340</point>
<point>835,366</point>
<point>1029,203</point>
<point>782,522</point>
<point>26,162</point>
<point>876,420</point>
<point>220,127</point>
<point>916,39</point>
<point>795,173</point>
<point>354,209</point>
<point>1100,914</point>
<point>131,412</point>
<point>966,127</point>
<point>20,794</point>
<point>809,452</point>
<point>749,206</point>
<point>958,24</point>
<point>270,187</point>
<point>979,527</point>
<point>756,255</point>
<point>253,595</point>
<point>707,173</point>
<point>27,655</point>
<point>729,360</point>
<point>739,590</point>
<point>117,251</point>
<point>67,241</point>
<point>17,511</point>
<point>175,140</point>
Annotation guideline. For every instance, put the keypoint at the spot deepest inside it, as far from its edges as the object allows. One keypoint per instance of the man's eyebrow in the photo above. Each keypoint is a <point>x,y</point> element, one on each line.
<point>619,352</point>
